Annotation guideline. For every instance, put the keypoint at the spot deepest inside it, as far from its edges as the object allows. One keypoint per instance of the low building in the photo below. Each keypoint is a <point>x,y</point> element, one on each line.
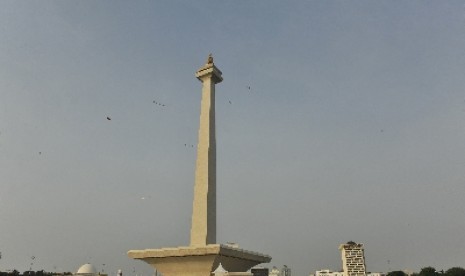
<point>327,272</point>
<point>375,274</point>
<point>274,272</point>
<point>260,271</point>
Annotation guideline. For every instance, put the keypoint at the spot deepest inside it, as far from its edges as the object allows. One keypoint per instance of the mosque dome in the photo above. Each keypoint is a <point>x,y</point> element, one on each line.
<point>87,269</point>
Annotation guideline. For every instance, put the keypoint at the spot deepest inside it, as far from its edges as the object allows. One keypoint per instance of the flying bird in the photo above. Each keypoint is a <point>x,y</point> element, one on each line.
<point>157,103</point>
<point>108,118</point>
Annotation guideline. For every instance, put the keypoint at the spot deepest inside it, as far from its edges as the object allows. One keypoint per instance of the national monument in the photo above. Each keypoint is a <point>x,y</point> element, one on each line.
<point>203,254</point>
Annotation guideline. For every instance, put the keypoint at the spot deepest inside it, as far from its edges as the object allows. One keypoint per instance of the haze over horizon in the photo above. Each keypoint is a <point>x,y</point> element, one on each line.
<point>336,121</point>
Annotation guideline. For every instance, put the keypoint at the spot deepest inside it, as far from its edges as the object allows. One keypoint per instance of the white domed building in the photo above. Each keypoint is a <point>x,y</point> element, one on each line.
<point>87,270</point>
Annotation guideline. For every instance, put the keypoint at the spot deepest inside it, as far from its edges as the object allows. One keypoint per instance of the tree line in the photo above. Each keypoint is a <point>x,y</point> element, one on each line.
<point>33,273</point>
<point>431,271</point>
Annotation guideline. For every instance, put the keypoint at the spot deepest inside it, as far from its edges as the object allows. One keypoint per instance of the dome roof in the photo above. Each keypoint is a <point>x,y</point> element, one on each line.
<point>87,269</point>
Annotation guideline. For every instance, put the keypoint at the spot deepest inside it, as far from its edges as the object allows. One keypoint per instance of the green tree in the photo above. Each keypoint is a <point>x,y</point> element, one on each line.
<point>428,271</point>
<point>396,273</point>
<point>455,271</point>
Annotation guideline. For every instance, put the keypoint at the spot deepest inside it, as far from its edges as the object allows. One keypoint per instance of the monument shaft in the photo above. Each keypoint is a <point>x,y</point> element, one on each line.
<point>203,229</point>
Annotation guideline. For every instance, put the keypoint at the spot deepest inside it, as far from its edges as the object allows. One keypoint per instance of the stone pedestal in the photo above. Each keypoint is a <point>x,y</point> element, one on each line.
<point>198,261</point>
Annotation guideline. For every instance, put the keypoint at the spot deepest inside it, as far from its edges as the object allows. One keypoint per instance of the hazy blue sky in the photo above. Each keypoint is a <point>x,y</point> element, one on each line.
<point>353,129</point>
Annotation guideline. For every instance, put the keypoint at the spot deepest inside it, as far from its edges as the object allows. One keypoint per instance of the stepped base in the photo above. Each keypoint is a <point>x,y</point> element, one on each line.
<point>199,261</point>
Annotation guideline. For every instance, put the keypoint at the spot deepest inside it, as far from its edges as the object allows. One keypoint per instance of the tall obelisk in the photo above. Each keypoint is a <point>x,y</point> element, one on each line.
<point>203,254</point>
<point>203,229</point>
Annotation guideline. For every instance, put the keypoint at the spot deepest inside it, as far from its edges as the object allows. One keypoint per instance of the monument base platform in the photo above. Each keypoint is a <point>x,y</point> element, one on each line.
<point>199,261</point>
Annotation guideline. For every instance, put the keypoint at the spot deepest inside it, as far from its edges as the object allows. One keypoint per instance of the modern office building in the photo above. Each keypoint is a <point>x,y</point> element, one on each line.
<point>353,259</point>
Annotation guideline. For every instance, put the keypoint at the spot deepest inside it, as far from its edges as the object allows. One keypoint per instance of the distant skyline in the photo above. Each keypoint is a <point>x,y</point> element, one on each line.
<point>336,121</point>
